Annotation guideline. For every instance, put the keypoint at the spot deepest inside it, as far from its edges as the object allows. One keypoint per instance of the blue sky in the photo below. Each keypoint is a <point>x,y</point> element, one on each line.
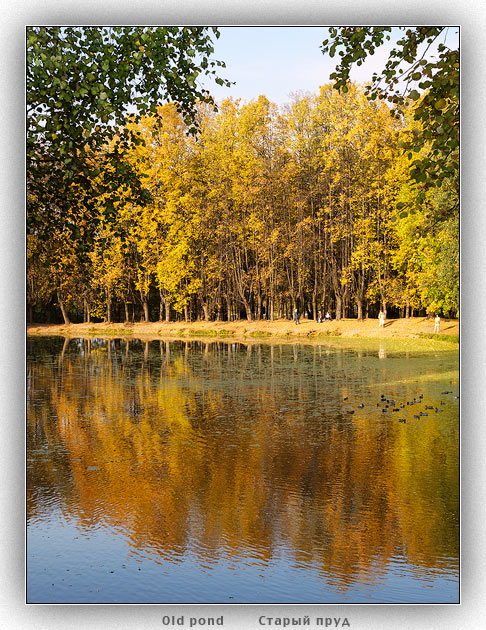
<point>278,60</point>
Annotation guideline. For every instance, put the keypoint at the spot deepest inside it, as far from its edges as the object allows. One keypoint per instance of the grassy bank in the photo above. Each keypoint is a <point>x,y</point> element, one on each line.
<point>414,329</point>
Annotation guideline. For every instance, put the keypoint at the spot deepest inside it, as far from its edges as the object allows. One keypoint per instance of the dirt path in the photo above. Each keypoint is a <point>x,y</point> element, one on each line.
<point>413,327</point>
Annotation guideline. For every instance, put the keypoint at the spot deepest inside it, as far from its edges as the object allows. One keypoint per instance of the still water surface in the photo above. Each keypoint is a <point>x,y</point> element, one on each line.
<point>185,471</point>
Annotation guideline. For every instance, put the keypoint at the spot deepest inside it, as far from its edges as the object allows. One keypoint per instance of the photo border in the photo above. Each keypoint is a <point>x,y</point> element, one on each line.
<point>13,613</point>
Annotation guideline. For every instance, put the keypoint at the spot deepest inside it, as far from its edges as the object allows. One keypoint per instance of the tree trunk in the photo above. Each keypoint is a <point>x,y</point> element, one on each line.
<point>87,311</point>
<point>248,310</point>
<point>63,310</point>
<point>167,311</point>
<point>228,309</point>
<point>206,312</point>
<point>145,310</point>
<point>186,313</point>
<point>259,306</point>
<point>108,310</point>
<point>339,306</point>
<point>359,302</point>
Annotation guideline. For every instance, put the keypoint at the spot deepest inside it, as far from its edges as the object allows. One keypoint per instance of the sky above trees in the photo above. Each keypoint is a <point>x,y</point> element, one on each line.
<point>279,60</point>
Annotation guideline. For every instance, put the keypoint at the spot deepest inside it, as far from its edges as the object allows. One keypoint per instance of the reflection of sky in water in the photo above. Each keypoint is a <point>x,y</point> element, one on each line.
<point>97,566</point>
<point>219,472</point>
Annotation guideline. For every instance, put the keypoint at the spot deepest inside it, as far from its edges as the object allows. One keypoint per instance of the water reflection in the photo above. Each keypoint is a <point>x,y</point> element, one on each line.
<point>229,455</point>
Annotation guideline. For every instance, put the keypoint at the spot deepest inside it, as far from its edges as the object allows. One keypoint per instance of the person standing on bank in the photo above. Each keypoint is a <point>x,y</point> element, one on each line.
<point>436,324</point>
<point>296,316</point>
<point>381,319</point>
<point>328,316</point>
<point>319,317</point>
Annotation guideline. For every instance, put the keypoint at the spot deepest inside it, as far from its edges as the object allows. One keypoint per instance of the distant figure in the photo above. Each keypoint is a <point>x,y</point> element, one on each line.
<point>381,319</point>
<point>319,317</point>
<point>328,317</point>
<point>296,316</point>
<point>436,324</point>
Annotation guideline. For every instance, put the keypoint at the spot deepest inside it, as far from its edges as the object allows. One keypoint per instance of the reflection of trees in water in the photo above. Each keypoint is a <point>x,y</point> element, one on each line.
<point>238,448</point>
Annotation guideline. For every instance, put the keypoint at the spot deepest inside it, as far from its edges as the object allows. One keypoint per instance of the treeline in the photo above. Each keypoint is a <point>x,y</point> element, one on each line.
<point>267,209</point>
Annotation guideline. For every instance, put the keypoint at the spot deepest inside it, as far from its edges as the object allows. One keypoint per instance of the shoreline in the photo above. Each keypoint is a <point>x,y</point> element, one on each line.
<point>412,328</point>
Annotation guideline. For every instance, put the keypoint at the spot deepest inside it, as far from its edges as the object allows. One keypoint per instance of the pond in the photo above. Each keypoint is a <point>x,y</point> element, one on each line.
<point>227,472</point>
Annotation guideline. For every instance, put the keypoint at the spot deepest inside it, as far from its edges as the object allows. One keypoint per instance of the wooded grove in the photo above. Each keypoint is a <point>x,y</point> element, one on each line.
<point>264,210</point>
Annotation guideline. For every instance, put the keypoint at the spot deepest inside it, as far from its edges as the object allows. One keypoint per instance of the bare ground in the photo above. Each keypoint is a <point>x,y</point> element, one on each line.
<point>412,327</point>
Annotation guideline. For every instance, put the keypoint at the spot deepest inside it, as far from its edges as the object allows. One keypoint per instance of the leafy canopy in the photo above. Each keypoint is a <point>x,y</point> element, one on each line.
<point>411,74</point>
<point>83,83</point>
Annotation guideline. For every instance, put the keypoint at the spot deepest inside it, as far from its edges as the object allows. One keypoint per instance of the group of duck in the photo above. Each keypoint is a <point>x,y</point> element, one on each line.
<point>389,405</point>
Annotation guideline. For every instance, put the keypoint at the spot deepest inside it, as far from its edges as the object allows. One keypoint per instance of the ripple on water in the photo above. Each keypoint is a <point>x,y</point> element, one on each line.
<point>185,472</point>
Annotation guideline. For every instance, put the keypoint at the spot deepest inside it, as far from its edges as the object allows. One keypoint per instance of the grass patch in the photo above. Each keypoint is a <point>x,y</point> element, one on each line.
<point>260,333</point>
<point>181,332</point>
<point>210,332</point>
<point>392,345</point>
<point>439,337</point>
<point>325,334</point>
<point>110,332</point>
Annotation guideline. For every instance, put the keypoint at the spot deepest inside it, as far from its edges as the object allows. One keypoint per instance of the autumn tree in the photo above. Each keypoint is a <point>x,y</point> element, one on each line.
<point>83,83</point>
<point>412,72</point>
<point>265,210</point>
